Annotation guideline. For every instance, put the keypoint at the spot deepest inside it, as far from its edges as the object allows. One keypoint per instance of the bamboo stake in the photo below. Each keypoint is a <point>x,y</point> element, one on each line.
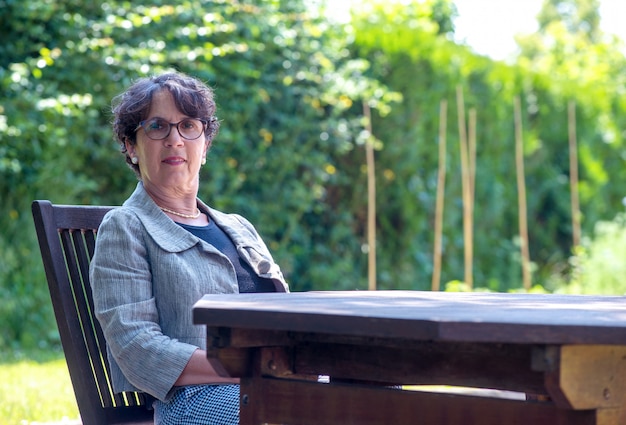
<point>472,159</point>
<point>521,195</point>
<point>441,182</point>
<point>472,182</point>
<point>467,208</point>
<point>371,201</point>
<point>573,174</point>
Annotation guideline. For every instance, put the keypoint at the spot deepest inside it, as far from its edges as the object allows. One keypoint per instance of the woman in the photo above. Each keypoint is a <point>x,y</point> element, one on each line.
<point>164,249</point>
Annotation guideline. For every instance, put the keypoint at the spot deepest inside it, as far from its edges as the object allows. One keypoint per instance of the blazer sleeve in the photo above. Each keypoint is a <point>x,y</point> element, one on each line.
<point>126,309</point>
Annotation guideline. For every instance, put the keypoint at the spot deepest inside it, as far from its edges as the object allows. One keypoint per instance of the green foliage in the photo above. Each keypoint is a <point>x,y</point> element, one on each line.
<point>283,78</point>
<point>413,58</point>
<point>425,70</point>
<point>290,154</point>
<point>598,266</point>
<point>581,17</point>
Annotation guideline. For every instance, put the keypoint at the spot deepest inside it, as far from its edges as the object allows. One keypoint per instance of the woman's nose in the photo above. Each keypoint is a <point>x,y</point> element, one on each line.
<point>174,138</point>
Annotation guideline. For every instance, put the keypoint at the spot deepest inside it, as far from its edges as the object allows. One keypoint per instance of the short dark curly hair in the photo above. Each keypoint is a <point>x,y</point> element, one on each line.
<point>191,96</point>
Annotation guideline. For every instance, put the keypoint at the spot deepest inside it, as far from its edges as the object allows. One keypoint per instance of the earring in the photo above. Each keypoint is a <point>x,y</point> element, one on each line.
<point>134,160</point>
<point>203,161</point>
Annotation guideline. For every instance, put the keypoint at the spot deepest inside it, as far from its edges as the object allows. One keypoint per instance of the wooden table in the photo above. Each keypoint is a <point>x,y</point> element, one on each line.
<point>567,353</point>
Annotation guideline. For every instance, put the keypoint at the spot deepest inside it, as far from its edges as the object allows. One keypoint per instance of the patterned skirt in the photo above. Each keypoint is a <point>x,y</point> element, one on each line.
<point>199,405</point>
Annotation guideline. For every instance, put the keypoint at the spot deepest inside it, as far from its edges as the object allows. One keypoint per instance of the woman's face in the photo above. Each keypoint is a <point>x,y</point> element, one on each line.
<point>169,167</point>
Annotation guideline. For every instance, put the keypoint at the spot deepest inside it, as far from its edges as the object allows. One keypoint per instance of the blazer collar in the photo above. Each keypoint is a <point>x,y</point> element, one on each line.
<point>167,234</point>
<point>172,237</point>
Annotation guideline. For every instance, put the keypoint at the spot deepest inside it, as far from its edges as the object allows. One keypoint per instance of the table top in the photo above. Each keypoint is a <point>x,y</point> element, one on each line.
<point>425,316</point>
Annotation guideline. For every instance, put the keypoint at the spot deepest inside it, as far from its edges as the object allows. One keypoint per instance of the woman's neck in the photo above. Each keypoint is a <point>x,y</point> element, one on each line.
<point>180,206</point>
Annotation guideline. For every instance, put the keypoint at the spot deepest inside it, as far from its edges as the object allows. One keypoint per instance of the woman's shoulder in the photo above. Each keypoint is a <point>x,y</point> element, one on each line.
<point>230,220</point>
<point>149,224</point>
<point>222,217</point>
<point>232,217</point>
<point>119,218</point>
<point>121,213</point>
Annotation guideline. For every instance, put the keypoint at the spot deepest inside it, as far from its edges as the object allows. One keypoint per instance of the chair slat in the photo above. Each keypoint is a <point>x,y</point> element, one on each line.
<point>93,332</point>
<point>73,256</point>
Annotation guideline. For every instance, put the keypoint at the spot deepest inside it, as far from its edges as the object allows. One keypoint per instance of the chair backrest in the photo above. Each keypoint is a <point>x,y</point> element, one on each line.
<point>67,238</point>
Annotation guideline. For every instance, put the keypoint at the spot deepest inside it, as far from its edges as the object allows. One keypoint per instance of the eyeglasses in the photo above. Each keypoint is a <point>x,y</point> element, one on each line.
<point>159,129</point>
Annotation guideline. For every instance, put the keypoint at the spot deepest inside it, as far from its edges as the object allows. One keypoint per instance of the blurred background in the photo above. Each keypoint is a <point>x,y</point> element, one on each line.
<point>304,90</point>
<point>490,26</point>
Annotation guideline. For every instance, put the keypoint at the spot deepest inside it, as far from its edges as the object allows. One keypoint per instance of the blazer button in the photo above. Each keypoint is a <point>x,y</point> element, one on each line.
<point>264,266</point>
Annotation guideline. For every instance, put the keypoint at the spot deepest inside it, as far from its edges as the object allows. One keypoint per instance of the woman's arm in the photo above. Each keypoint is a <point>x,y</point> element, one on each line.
<point>126,307</point>
<point>200,371</point>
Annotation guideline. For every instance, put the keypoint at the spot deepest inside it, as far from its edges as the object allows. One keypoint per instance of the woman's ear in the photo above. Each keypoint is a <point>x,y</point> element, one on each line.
<point>130,148</point>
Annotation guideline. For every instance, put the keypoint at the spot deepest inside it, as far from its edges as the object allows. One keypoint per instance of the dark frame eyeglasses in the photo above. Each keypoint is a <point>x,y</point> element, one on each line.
<point>159,128</point>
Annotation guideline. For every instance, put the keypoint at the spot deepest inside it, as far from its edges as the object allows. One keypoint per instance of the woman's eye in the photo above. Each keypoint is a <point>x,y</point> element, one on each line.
<point>189,124</point>
<point>155,125</point>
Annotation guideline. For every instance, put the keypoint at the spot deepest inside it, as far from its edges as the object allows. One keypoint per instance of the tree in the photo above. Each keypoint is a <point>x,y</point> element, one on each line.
<point>273,65</point>
<point>409,55</point>
<point>578,17</point>
<point>573,57</point>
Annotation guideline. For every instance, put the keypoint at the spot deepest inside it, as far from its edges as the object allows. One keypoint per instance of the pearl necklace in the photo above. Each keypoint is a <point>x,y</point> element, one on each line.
<point>192,216</point>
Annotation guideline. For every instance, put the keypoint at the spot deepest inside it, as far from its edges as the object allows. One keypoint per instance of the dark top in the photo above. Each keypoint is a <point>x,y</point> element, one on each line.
<point>247,279</point>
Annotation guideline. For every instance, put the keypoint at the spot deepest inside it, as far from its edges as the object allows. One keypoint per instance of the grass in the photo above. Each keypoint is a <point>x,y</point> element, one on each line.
<point>35,389</point>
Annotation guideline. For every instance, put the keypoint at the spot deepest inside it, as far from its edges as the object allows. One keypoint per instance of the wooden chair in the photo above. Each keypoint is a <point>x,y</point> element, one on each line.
<point>66,238</point>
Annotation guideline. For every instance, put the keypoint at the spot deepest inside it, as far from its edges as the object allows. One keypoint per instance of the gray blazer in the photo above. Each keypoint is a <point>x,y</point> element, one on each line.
<point>146,274</point>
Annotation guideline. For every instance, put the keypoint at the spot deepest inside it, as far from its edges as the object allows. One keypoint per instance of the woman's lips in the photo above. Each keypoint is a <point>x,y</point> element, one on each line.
<point>174,160</point>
